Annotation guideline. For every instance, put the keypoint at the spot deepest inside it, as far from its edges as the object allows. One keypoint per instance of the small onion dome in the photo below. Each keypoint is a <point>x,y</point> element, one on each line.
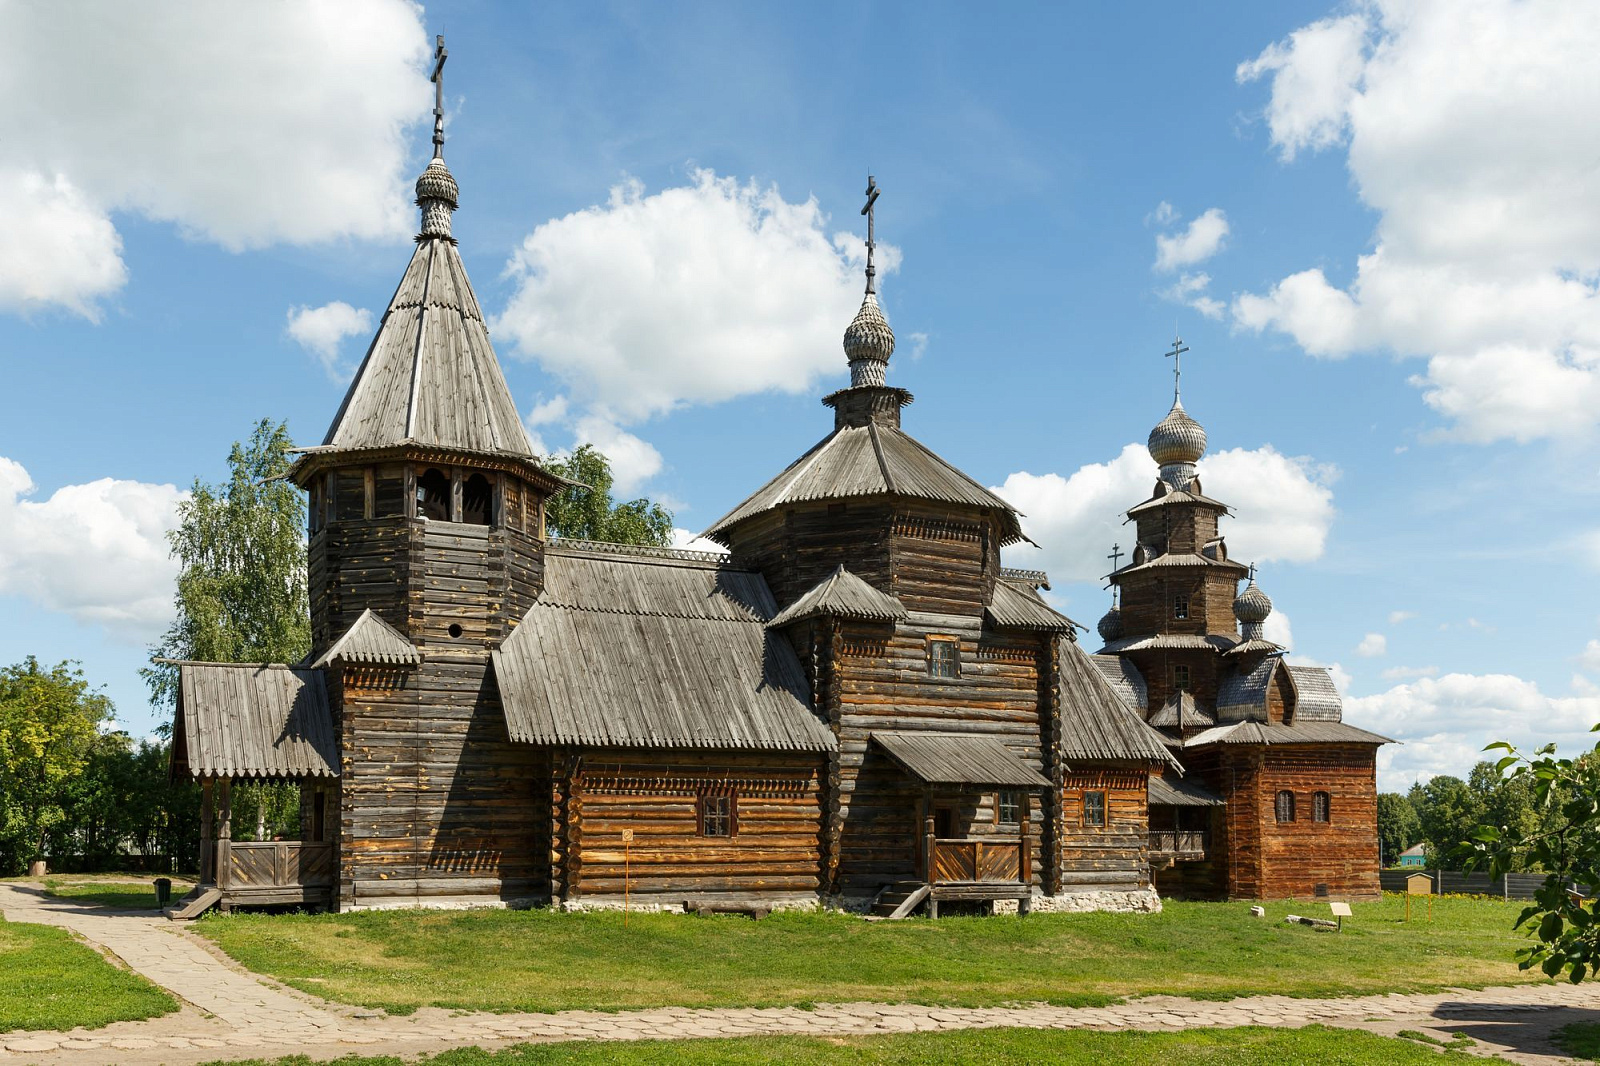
<point>1177,438</point>
<point>1111,625</point>
<point>437,183</point>
<point>1252,605</point>
<point>868,344</point>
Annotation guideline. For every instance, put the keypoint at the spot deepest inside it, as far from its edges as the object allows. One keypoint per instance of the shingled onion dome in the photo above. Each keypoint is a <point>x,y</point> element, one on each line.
<point>1177,443</point>
<point>868,344</point>
<point>438,196</point>
<point>1110,626</point>
<point>1251,607</point>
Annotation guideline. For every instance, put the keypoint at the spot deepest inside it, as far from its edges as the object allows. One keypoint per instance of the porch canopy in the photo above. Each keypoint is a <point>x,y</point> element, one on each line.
<point>1177,792</point>
<point>253,720</point>
<point>959,759</point>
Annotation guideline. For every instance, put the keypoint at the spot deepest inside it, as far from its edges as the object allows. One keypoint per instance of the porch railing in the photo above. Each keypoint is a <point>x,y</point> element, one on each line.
<point>243,865</point>
<point>1178,843</point>
<point>976,859</point>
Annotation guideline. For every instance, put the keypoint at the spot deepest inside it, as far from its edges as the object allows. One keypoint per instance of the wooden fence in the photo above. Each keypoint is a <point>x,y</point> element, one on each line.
<point>1454,882</point>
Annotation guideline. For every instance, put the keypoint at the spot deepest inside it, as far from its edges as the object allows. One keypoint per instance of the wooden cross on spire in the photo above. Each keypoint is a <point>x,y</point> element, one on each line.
<point>1115,556</point>
<point>437,77</point>
<point>1176,355</point>
<point>872,198</point>
<point>1252,573</point>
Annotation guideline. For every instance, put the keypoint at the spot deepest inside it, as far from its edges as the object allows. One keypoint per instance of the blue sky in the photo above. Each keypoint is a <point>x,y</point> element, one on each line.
<point>1374,224</point>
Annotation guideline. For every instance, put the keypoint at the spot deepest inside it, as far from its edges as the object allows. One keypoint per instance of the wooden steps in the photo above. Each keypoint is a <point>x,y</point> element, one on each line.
<point>194,904</point>
<point>899,900</point>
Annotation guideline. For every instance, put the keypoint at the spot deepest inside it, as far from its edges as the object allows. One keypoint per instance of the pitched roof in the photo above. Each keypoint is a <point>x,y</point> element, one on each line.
<point>842,595</point>
<point>1019,607</point>
<point>1255,644</point>
<point>430,376</point>
<point>371,640</point>
<point>1125,680</point>
<point>1175,496</point>
<point>1305,733</point>
<point>1244,695</point>
<point>1316,697</point>
<point>1180,792</point>
<point>1182,711</point>
<point>1095,723</point>
<point>959,759</point>
<point>1180,559</point>
<point>1169,641</point>
<point>262,720</point>
<point>642,650</point>
<point>869,460</point>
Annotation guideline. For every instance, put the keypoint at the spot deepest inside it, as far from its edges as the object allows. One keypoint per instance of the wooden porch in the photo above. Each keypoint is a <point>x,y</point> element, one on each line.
<point>1179,845</point>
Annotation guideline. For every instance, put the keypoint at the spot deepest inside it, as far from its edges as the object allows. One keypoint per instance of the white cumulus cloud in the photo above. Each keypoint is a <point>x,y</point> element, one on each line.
<point>245,125</point>
<point>1284,508</point>
<point>1589,658</point>
<point>633,461</point>
<point>1373,645</point>
<point>1487,248</point>
<point>96,552</point>
<point>1202,239</point>
<point>690,295</point>
<point>322,332</point>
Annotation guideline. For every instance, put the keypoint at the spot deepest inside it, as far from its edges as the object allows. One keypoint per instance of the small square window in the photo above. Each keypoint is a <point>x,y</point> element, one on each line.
<point>1094,808</point>
<point>1008,808</point>
<point>1180,676</point>
<point>1180,606</point>
<point>717,814</point>
<point>944,657</point>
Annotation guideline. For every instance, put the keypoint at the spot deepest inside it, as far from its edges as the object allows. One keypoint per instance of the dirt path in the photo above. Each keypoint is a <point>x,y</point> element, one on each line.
<point>229,1012</point>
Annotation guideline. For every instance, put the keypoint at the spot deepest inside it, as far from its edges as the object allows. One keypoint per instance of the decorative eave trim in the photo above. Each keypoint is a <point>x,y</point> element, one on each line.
<point>314,460</point>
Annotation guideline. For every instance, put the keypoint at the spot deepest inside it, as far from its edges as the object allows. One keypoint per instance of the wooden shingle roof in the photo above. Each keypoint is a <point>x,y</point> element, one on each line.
<point>625,651</point>
<point>869,460</point>
<point>1182,711</point>
<point>1095,723</point>
<point>262,720</point>
<point>1125,680</point>
<point>371,640</point>
<point>1243,695</point>
<point>1316,698</point>
<point>959,759</point>
<point>1020,607</point>
<point>430,377</point>
<point>842,595</point>
<point>1266,734</point>
<point>1173,791</point>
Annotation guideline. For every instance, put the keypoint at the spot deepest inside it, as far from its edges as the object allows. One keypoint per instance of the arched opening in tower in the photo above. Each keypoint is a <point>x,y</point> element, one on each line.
<point>477,502</point>
<point>433,496</point>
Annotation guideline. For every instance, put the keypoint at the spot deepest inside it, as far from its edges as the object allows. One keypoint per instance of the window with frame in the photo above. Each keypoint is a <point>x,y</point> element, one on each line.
<point>1321,806</point>
<point>718,814</point>
<point>944,657</point>
<point>1094,808</point>
<point>1008,808</point>
<point>1180,605</point>
<point>1180,676</point>
<point>1285,806</point>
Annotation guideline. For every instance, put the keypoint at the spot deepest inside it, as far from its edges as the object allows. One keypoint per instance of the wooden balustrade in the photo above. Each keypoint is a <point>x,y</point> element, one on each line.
<point>976,859</point>
<point>1178,843</point>
<point>267,865</point>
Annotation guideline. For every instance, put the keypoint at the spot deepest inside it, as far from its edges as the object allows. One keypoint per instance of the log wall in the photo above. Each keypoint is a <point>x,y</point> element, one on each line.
<point>1342,852</point>
<point>1113,856</point>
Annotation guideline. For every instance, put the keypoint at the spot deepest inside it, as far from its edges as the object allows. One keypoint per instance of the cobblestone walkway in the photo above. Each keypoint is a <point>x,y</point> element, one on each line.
<point>229,1013</point>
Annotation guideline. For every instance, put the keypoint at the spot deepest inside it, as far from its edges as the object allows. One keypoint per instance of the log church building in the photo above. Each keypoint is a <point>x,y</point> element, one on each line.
<point>856,706</point>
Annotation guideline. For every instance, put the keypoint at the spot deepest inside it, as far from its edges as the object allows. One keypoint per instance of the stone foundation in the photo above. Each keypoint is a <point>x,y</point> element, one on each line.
<point>1137,901</point>
<point>675,904</point>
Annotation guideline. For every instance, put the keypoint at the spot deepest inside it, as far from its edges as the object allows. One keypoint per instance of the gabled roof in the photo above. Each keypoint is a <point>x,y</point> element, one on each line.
<point>261,720</point>
<point>371,640</point>
<point>1169,642</point>
<point>1095,723</point>
<point>646,651</point>
<point>1174,497</point>
<point>1316,697</point>
<point>869,460</point>
<point>959,759</point>
<point>1180,792</point>
<point>1125,680</point>
<point>842,595</point>
<point>1249,647</point>
<point>430,376</point>
<point>1182,711</point>
<point>1019,607</point>
<point>1244,695</point>
<point>1307,733</point>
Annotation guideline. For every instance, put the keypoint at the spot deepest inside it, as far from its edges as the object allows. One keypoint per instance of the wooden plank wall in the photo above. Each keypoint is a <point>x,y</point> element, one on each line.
<point>1341,852</point>
<point>776,850</point>
<point>1113,856</point>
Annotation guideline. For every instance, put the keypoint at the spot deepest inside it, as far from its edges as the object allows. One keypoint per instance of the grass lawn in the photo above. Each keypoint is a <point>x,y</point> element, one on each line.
<point>544,961</point>
<point>50,981</point>
<point>123,890</point>
<point>979,1047</point>
<point>1581,1040</point>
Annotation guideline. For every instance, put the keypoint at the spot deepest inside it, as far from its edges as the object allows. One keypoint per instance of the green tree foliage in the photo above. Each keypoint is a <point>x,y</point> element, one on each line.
<point>50,723</point>
<point>585,511</point>
<point>1449,808</point>
<point>1399,825</point>
<point>1562,837</point>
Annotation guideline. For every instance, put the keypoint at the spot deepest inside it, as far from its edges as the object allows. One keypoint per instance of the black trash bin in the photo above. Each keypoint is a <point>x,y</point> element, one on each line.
<point>163,891</point>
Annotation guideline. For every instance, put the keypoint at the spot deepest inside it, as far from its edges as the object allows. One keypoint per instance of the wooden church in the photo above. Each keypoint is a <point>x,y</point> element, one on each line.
<point>855,706</point>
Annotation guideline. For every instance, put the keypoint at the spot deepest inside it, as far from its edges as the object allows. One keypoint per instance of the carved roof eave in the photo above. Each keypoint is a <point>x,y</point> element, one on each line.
<point>1177,496</point>
<point>1175,560</point>
<point>312,461</point>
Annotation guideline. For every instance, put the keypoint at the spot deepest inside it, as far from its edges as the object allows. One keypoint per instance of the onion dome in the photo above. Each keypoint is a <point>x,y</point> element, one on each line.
<point>1251,607</point>
<point>437,195</point>
<point>1177,443</point>
<point>1111,625</point>
<point>868,344</point>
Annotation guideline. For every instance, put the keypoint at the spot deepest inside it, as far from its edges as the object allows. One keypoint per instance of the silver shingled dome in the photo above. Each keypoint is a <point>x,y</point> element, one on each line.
<point>1111,625</point>
<point>1252,605</point>
<point>1177,438</point>
<point>868,344</point>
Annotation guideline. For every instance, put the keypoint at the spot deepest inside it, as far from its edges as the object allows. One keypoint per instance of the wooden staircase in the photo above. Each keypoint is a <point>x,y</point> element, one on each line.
<point>196,903</point>
<point>899,900</point>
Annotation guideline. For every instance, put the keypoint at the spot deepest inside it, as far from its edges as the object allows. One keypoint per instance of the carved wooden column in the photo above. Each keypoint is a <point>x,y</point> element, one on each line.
<point>208,847</point>
<point>224,833</point>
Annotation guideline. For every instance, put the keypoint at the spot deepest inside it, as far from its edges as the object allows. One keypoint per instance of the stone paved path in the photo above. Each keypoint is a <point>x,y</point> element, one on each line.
<point>229,1013</point>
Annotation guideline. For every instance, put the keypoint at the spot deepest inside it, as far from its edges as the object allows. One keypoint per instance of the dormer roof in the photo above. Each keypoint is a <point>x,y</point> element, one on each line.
<point>841,595</point>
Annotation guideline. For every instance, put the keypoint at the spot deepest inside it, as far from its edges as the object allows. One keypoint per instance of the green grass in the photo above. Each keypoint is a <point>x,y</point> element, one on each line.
<point>978,1047</point>
<point>50,981</point>
<point>543,961</point>
<point>1581,1040</point>
<point>133,895</point>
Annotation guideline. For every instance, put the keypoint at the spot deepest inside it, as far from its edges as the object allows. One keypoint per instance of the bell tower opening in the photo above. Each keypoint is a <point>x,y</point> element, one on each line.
<point>433,496</point>
<point>477,501</point>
